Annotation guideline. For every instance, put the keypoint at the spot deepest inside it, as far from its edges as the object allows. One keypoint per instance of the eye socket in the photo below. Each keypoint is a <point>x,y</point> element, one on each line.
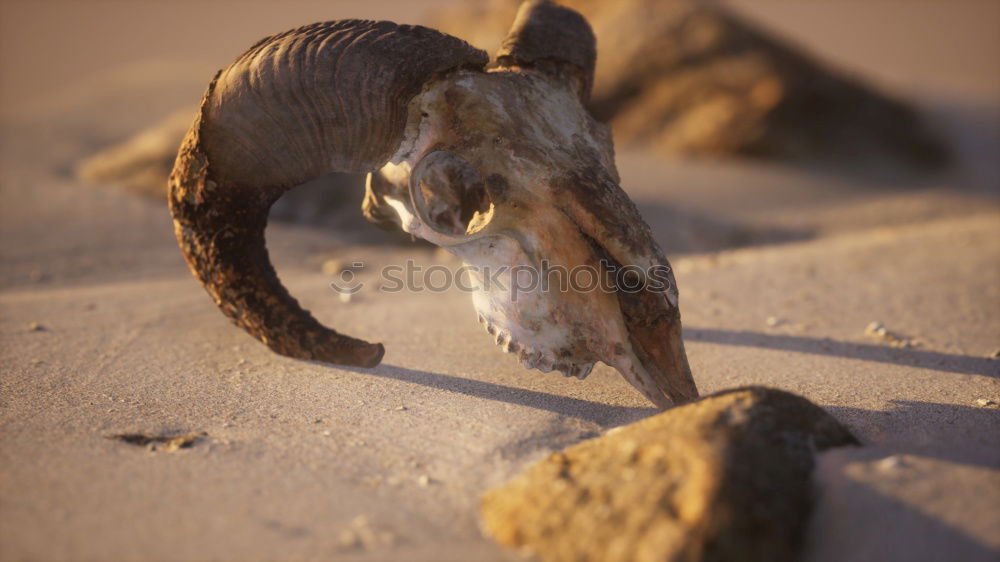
<point>449,195</point>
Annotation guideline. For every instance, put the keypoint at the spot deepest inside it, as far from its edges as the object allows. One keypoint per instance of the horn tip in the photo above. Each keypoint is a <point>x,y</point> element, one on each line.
<point>366,356</point>
<point>373,355</point>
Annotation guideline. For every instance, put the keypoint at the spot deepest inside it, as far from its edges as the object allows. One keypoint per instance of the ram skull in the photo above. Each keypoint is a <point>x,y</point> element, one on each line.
<point>500,164</point>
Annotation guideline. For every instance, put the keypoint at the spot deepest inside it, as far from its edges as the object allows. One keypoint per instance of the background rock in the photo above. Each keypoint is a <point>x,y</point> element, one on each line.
<point>723,478</point>
<point>141,164</point>
<point>695,78</point>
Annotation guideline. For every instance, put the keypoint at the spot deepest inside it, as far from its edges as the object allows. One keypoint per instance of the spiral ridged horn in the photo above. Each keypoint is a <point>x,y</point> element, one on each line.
<point>554,39</point>
<point>329,97</point>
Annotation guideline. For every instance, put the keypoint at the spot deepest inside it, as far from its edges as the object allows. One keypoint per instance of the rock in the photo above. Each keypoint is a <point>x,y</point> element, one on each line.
<point>878,331</point>
<point>694,78</point>
<point>142,163</point>
<point>987,403</point>
<point>724,478</point>
<point>333,267</point>
<point>361,533</point>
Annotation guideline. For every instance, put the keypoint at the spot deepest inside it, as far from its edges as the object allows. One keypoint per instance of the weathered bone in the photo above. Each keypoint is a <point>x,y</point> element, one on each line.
<point>503,168</point>
<point>547,169</point>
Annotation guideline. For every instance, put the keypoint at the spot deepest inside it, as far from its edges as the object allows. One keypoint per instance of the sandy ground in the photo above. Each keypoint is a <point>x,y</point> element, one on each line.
<point>780,269</point>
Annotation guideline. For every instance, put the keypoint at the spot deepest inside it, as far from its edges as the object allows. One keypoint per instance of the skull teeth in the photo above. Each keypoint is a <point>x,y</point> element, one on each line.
<point>511,346</point>
<point>577,370</point>
<point>532,358</point>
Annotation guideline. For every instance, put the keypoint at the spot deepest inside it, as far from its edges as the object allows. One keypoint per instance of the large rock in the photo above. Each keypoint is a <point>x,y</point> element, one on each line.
<point>724,478</point>
<point>687,78</point>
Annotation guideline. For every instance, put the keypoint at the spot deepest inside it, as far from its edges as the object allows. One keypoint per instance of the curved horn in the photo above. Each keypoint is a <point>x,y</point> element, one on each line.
<point>322,98</point>
<point>554,39</point>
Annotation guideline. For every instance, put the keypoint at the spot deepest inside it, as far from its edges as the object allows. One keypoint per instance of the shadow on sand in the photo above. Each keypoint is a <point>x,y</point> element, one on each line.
<point>604,415</point>
<point>909,357</point>
<point>607,415</point>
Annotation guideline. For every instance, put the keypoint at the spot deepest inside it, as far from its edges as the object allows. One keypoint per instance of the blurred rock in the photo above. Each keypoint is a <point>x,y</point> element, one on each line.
<point>694,78</point>
<point>141,164</point>
<point>724,478</point>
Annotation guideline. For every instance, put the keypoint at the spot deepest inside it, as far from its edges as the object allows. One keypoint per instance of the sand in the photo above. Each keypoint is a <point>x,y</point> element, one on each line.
<point>781,270</point>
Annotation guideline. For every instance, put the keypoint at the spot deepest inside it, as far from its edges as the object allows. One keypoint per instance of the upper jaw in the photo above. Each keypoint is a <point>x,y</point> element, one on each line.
<point>535,357</point>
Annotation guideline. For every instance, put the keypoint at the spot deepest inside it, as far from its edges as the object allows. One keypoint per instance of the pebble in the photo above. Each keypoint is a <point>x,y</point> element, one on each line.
<point>774,321</point>
<point>987,403</point>
<point>876,329</point>
<point>879,331</point>
<point>361,533</point>
<point>36,327</point>
<point>332,267</point>
<point>424,481</point>
<point>892,463</point>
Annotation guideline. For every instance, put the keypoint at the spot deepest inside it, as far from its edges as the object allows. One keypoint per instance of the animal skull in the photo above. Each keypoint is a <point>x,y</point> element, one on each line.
<point>503,167</point>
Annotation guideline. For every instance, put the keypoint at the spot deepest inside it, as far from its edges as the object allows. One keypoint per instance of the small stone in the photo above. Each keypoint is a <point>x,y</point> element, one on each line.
<point>348,539</point>
<point>333,267</point>
<point>891,463</point>
<point>774,321</point>
<point>327,433</point>
<point>875,329</point>
<point>401,408</point>
<point>36,327</point>
<point>424,481</point>
<point>986,403</point>
<point>361,533</point>
<point>345,297</point>
<point>996,354</point>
